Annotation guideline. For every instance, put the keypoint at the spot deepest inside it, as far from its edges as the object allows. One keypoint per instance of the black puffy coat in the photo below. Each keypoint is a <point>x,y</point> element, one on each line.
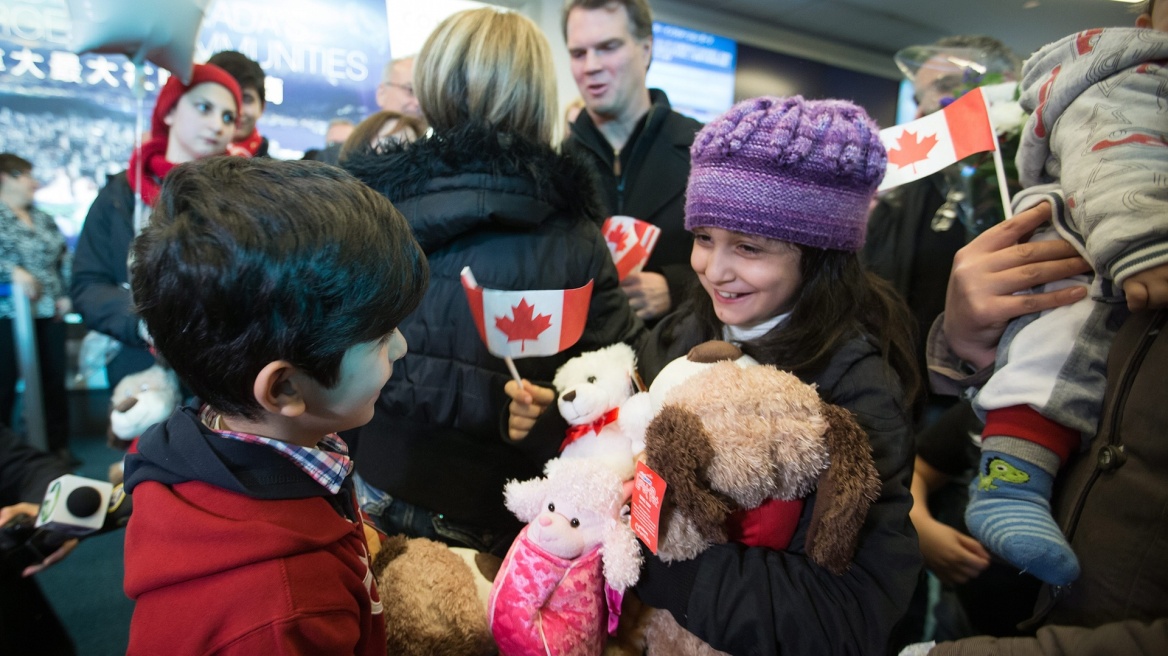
<point>100,287</point>
<point>522,217</point>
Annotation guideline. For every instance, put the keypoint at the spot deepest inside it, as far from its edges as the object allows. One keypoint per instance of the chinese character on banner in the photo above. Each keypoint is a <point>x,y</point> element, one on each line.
<point>630,241</point>
<point>129,70</point>
<point>103,70</point>
<point>64,67</point>
<point>27,61</point>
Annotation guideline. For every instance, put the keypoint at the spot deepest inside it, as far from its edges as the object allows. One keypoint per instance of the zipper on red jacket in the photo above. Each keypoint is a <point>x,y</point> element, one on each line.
<point>1108,458</point>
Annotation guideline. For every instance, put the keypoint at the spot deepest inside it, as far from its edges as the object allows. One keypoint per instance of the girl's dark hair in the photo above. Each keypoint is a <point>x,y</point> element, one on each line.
<point>839,300</point>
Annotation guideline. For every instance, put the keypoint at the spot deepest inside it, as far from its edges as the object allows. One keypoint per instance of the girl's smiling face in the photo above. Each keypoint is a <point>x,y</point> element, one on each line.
<point>750,279</point>
<point>202,123</point>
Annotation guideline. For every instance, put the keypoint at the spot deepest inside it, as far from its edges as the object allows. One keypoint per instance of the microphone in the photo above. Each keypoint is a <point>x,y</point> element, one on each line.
<point>74,507</point>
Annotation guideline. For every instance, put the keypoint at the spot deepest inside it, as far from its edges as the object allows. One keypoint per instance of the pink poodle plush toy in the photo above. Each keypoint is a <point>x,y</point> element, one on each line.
<point>559,589</point>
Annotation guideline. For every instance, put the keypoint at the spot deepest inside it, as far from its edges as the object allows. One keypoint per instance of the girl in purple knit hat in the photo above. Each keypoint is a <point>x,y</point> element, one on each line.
<point>777,202</point>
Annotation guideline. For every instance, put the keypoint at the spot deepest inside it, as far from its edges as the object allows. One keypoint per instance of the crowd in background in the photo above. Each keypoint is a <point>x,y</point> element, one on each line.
<point>897,308</point>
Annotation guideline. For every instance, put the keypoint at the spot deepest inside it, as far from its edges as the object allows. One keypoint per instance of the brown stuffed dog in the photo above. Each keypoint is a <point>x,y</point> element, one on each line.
<point>434,597</point>
<point>733,437</point>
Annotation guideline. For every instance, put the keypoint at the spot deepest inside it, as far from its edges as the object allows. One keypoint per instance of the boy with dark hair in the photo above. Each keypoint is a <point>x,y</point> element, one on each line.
<point>247,72</point>
<point>274,289</point>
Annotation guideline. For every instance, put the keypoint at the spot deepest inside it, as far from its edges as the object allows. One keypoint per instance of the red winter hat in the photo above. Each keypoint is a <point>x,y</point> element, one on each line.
<point>174,89</point>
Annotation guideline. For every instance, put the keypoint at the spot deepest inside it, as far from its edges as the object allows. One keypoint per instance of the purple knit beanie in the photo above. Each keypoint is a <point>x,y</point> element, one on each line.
<point>798,170</point>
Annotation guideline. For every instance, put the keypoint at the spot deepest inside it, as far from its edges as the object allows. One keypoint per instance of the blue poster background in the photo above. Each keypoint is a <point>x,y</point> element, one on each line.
<point>696,69</point>
<point>75,117</point>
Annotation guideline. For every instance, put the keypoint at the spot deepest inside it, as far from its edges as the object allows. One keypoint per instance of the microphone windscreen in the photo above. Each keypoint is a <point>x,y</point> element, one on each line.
<point>84,501</point>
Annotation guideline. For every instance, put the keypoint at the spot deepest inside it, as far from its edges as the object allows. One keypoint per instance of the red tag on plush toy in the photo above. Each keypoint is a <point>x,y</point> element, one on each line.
<point>645,516</point>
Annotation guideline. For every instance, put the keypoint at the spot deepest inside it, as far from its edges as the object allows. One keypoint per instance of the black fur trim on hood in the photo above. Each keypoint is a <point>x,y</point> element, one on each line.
<point>404,171</point>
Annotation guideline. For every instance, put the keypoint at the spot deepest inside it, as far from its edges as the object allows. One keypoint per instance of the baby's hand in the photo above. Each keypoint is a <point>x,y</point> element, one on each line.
<point>527,404</point>
<point>1147,289</point>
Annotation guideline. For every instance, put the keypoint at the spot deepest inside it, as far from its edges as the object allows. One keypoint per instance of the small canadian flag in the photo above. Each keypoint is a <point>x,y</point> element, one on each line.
<point>929,144</point>
<point>631,242</point>
<point>526,324</point>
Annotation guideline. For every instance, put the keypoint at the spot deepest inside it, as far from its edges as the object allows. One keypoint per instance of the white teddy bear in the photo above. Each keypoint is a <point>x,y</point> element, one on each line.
<point>592,388</point>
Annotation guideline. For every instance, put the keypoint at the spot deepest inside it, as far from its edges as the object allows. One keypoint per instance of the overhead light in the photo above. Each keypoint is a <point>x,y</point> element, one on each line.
<point>962,63</point>
<point>1031,4</point>
<point>1128,2</point>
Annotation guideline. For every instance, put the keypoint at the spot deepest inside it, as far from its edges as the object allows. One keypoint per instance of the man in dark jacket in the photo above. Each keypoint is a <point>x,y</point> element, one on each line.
<point>631,137</point>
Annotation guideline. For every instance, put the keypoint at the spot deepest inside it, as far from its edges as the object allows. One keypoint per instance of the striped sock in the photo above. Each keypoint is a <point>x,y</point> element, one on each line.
<point>1009,512</point>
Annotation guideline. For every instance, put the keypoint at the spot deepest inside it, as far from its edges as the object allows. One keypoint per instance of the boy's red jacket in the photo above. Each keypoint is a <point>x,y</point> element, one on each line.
<point>232,549</point>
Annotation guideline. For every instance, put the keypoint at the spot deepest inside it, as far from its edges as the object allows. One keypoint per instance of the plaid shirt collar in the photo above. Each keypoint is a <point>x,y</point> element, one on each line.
<point>328,463</point>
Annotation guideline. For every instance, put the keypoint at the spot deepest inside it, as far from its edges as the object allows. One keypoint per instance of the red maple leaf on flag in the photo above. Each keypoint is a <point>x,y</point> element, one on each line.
<point>523,326</point>
<point>911,149</point>
<point>616,237</point>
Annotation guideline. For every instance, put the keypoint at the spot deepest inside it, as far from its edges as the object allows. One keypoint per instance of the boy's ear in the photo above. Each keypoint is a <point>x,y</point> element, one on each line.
<point>276,391</point>
<point>1144,20</point>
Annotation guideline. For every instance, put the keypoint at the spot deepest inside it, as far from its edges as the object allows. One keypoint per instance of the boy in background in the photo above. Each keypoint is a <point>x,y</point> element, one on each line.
<point>248,141</point>
<point>274,290</point>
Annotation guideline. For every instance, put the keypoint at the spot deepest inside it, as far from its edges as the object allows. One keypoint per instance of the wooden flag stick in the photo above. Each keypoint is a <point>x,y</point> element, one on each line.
<point>514,371</point>
<point>999,168</point>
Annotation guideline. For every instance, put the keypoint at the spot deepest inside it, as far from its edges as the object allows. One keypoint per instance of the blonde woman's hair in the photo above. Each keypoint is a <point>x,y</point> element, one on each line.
<point>489,67</point>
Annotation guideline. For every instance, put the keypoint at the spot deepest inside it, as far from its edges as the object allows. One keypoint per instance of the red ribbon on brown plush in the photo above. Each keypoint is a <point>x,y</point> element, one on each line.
<point>576,432</point>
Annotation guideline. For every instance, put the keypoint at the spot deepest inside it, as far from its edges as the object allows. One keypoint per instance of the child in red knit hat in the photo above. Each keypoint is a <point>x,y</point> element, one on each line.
<point>190,121</point>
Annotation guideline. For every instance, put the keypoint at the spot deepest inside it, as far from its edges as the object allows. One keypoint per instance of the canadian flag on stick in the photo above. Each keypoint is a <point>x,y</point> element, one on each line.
<point>631,242</point>
<point>929,144</point>
<point>525,324</point>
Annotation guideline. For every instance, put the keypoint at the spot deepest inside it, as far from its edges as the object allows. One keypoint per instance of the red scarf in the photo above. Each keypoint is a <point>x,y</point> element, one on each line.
<point>248,147</point>
<point>576,432</point>
<point>155,166</point>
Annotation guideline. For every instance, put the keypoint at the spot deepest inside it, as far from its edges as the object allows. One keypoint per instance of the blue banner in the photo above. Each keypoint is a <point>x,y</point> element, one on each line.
<point>75,117</point>
<point>695,69</point>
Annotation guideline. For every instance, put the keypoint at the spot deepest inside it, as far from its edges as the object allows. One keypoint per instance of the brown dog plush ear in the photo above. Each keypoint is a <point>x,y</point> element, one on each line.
<point>714,351</point>
<point>678,448</point>
<point>846,490</point>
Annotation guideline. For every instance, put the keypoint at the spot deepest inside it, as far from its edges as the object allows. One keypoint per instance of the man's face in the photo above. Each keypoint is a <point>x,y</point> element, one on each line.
<point>397,93</point>
<point>937,78</point>
<point>608,63</point>
<point>249,113</point>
